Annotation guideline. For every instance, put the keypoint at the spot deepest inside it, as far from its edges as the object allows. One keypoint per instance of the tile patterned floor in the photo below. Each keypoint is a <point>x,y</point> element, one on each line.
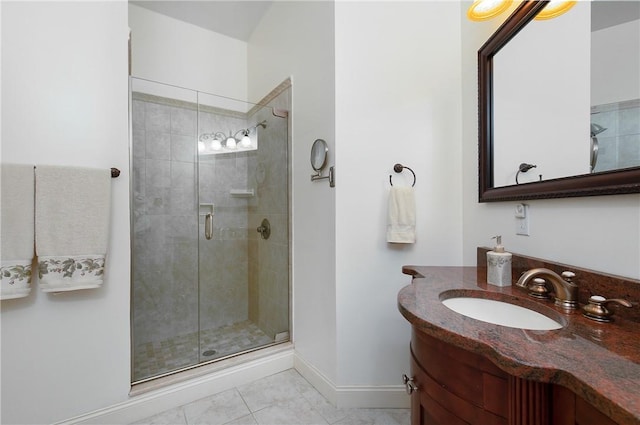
<point>155,358</point>
<point>281,399</point>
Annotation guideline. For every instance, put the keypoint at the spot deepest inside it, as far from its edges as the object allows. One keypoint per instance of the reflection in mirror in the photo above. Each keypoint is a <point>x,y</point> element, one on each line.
<point>542,84</point>
<point>594,50</point>
<point>615,84</point>
<point>535,122</point>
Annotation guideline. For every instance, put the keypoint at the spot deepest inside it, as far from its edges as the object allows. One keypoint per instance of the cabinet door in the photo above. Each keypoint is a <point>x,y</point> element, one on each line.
<point>569,409</point>
<point>425,410</point>
<point>434,403</point>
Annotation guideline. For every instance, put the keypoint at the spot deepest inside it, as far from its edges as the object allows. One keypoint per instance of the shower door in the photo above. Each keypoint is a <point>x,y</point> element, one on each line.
<point>206,284</point>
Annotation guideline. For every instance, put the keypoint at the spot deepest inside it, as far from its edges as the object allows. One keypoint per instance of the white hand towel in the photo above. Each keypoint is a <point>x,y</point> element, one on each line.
<point>72,226</point>
<point>16,230</point>
<point>401,226</point>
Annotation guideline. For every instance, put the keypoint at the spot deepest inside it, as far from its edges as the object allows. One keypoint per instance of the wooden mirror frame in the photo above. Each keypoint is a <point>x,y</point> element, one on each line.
<point>602,183</point>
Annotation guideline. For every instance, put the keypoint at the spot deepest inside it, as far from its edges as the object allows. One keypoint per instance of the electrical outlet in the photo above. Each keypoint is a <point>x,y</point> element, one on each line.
<point>522,226</point>
<point>522,219</point>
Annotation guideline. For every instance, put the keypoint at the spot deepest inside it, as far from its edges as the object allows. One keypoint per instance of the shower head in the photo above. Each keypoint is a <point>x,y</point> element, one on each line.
<point>262,124</point>
<point>596,129</point>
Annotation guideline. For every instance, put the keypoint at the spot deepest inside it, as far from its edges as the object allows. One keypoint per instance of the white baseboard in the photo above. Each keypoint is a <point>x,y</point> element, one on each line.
<point>150,403</point>
<point>372,397</point>
<point>316,379</point>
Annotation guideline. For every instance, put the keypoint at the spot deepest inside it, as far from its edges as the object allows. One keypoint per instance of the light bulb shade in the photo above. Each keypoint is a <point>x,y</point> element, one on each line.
<point>216,145</point>
<point>201,146</point>
<point>554,8</point>
<point>481,10</point>
<point>230,143</point>
<point>245,142</point>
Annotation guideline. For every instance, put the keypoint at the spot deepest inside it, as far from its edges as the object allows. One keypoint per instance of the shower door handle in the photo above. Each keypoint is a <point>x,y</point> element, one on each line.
<point>208,226</point>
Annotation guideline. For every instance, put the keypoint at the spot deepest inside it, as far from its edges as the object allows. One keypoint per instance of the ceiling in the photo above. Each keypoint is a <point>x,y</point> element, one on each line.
<point>235,19</point>
<point>239,18</point>
<point>609,13</point>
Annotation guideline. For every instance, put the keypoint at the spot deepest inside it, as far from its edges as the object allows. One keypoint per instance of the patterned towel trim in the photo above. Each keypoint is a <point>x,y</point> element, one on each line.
<point>68,273</point>
<point>15,279</point>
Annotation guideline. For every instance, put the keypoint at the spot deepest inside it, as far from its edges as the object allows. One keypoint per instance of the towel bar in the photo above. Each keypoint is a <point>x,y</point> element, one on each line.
<point>114,172</point>
<point>398,169</point>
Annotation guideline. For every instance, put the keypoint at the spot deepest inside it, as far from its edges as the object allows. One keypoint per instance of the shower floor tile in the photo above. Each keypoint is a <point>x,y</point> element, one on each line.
<point>155,358</point>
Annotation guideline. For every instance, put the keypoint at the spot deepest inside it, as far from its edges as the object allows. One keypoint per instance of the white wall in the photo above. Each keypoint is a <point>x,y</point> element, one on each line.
<point>173,52</point>
<point>398,100</point>
<point>600,233</point>
<point>64,98</point>
<point>346,323</point>
<point>297,39</point>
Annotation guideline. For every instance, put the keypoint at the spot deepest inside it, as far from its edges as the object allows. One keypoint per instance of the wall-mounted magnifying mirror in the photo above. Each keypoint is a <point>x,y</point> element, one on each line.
<point>319,155</point>
<point>319,151</point>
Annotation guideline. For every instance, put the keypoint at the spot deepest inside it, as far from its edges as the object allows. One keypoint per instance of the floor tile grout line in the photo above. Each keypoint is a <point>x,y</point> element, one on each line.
<point>244,401</point>
<point>184,414</point>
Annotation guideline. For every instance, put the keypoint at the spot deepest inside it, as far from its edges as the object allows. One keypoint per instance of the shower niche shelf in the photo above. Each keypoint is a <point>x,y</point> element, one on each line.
<point>205,208</point>
<point>224,150</point>
<point>242,193</point>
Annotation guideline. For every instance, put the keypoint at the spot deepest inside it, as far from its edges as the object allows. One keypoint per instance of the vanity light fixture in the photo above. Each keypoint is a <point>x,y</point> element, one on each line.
<point>482,10</point>
<point>231,142</point>
<point>218,142</point>
<point>245,142</point>
<point>554,8</point>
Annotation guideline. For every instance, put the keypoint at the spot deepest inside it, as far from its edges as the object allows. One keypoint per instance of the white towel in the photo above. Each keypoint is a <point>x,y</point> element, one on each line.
<point>401,226</point>
<point>16,230</point>
<point>72,226</point>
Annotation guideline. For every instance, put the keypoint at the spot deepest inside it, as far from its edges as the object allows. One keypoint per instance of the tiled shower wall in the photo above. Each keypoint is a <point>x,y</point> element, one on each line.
<point>241,276</point>
<point>619,144</point>
<point>165,226</point>
<point>223,259</point>
<point>269,291</point>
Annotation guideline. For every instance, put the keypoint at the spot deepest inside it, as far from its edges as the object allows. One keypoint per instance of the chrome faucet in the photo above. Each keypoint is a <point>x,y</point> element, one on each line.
<point>565,291</point>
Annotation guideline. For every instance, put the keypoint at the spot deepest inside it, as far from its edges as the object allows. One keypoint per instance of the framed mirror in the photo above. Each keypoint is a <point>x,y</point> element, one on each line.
<point>536,131</point>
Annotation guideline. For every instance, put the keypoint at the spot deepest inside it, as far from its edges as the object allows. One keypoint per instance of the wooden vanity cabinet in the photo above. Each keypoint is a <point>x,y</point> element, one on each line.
<point>570,409</point>
<point>456,386</point>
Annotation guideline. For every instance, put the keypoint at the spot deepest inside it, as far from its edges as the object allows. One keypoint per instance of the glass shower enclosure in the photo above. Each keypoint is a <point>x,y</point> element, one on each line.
<point>209,226</point>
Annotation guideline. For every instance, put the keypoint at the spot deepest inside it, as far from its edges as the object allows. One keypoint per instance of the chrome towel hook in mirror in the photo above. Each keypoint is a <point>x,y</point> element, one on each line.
<point>398,168</point>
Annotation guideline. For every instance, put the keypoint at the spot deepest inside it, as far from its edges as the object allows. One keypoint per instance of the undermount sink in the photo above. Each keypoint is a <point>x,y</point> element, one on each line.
<point>500,313</point>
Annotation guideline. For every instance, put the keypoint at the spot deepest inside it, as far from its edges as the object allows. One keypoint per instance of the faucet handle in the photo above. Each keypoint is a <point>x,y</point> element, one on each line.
<point>538,289</point>
<point>568,276</point>
<point>596,310</point>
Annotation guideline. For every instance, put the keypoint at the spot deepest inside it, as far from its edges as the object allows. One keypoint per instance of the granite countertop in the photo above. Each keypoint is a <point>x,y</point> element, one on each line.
<point>600,362</point>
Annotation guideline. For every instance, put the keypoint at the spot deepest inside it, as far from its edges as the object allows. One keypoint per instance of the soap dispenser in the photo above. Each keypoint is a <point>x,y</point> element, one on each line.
<point>499,265</point>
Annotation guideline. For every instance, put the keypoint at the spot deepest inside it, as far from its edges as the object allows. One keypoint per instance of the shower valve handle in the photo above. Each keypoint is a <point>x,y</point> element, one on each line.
<point>264,229</point>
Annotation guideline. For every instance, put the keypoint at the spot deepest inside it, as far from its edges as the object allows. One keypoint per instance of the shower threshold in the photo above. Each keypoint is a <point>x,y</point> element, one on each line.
<point>209,367</point>
<point>156,359</point>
